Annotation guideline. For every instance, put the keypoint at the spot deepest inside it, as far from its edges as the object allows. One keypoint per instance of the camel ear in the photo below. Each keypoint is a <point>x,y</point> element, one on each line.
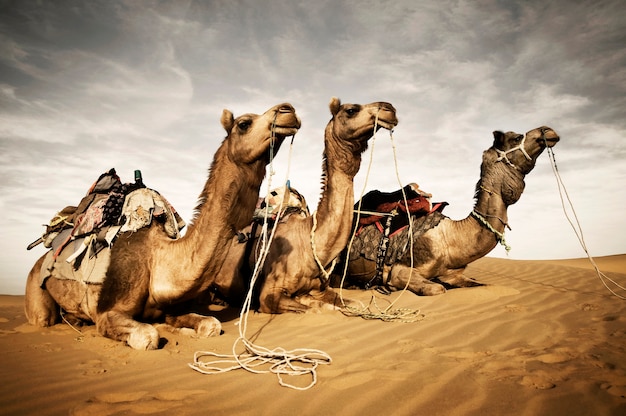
<point>498,137</point>
<point>228,121</point>
<point>334,105</point>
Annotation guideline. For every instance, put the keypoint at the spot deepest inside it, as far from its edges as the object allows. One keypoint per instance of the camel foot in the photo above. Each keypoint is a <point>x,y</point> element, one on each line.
<point>312,304</point>
<point>73,320</point>
<point>460,281</point>
<point>144,337</point>
<point>430,289</point>
<point>280,303</point>
<point>209,327</point>
<point>317,301</point>
<point>203,326</point>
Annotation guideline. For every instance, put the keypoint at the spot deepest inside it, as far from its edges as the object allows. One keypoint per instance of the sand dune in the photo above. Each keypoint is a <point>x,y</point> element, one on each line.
<point>543,338</point>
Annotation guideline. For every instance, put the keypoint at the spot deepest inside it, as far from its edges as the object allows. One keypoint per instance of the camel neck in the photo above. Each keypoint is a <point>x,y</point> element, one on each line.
<point>489,218</point>
<point>492,209</point>
<point>229,197</point>
<point>226,205</point>
<point>335,208</point>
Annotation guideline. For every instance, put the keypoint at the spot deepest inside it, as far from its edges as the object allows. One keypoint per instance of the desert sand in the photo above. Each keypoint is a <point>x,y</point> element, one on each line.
<point>542,338</point>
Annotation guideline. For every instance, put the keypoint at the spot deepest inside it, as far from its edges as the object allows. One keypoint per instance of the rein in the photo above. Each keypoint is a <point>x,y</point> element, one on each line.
<point>578,229</point>
<point>389,313</point>
<point>281,362</point>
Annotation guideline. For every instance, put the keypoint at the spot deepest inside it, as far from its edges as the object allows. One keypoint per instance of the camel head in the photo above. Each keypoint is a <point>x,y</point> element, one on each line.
<point>521,151</point>
<point>250,136</point>
<point>355,124</point>
<point>510,159</point>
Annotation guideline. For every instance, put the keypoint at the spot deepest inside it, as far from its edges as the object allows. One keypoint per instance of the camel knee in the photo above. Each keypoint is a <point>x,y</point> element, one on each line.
<point>42,317</point>
<point>40,309</point>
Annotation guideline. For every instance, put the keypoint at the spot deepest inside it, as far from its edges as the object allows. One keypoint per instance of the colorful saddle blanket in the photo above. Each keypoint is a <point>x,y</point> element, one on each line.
<point>368,243</point>
<point>383,229</point>
<point>80,238</point>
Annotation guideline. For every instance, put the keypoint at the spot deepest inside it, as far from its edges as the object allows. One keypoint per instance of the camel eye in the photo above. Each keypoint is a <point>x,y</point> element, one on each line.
<point>244,125</point>
<point>518,138</point>
<point>351,111</point>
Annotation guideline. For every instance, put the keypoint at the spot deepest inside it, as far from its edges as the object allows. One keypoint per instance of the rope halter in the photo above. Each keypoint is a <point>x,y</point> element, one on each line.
<point>503,154</point>
<point>499,236</point>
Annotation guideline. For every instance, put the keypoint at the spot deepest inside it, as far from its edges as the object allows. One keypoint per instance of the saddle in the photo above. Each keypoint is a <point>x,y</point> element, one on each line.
<point>376,205</point>
<point>387,240</point>
<point>80,237</point>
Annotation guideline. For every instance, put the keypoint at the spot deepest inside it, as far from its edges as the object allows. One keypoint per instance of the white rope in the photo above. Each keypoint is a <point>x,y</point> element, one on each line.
<point>388,314</point>
<point>315,256</point>
<point>498,234</point>
<point>577,228</point>
<point>258,359</point>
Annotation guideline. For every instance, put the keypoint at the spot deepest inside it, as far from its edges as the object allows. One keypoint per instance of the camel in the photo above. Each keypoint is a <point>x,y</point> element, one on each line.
<point>149,273</point>
<point>291,279</point>
<point>441,254</point>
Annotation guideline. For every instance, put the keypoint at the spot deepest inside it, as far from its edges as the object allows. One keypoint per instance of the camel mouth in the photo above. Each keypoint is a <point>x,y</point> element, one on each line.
<point>549,138</point>
<point>287,123</point>
<point>386,124</point>
<point>550,142</point>
<point>386,116</point>
<point>286,130</point>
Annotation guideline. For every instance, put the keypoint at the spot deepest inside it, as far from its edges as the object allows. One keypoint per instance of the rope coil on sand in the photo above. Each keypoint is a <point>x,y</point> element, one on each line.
<point>257,359</point>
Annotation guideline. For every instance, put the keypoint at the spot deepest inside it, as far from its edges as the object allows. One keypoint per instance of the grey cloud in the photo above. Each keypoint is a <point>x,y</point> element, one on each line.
<point>86,86</point>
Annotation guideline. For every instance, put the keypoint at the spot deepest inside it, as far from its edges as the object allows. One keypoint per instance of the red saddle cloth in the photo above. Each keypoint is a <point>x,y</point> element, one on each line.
<point>417,201</point>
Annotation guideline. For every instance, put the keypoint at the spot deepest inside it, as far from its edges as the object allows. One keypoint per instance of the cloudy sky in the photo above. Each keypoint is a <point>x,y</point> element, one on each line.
<point>90,85</point>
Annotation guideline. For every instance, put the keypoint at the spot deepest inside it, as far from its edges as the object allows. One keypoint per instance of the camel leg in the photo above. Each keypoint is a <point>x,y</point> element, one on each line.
<point>121,299</point>
<point>455,278</point>
<point>205,326</point>
<point>121,327</point>
<point>401,274</point>
<point>326,299</point>
<point>278,302</point>
<point>39,306</point>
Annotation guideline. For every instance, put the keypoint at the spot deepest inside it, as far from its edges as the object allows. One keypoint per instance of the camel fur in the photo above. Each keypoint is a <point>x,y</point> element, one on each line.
<point>150,273</point>
<point>441,254</point>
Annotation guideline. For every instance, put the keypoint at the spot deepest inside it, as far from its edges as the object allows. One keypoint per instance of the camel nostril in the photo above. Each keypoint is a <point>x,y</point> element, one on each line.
<point>285,108</point>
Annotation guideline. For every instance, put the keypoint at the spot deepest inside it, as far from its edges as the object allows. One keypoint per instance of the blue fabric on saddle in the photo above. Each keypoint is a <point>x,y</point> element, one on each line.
<point>80,237</point>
